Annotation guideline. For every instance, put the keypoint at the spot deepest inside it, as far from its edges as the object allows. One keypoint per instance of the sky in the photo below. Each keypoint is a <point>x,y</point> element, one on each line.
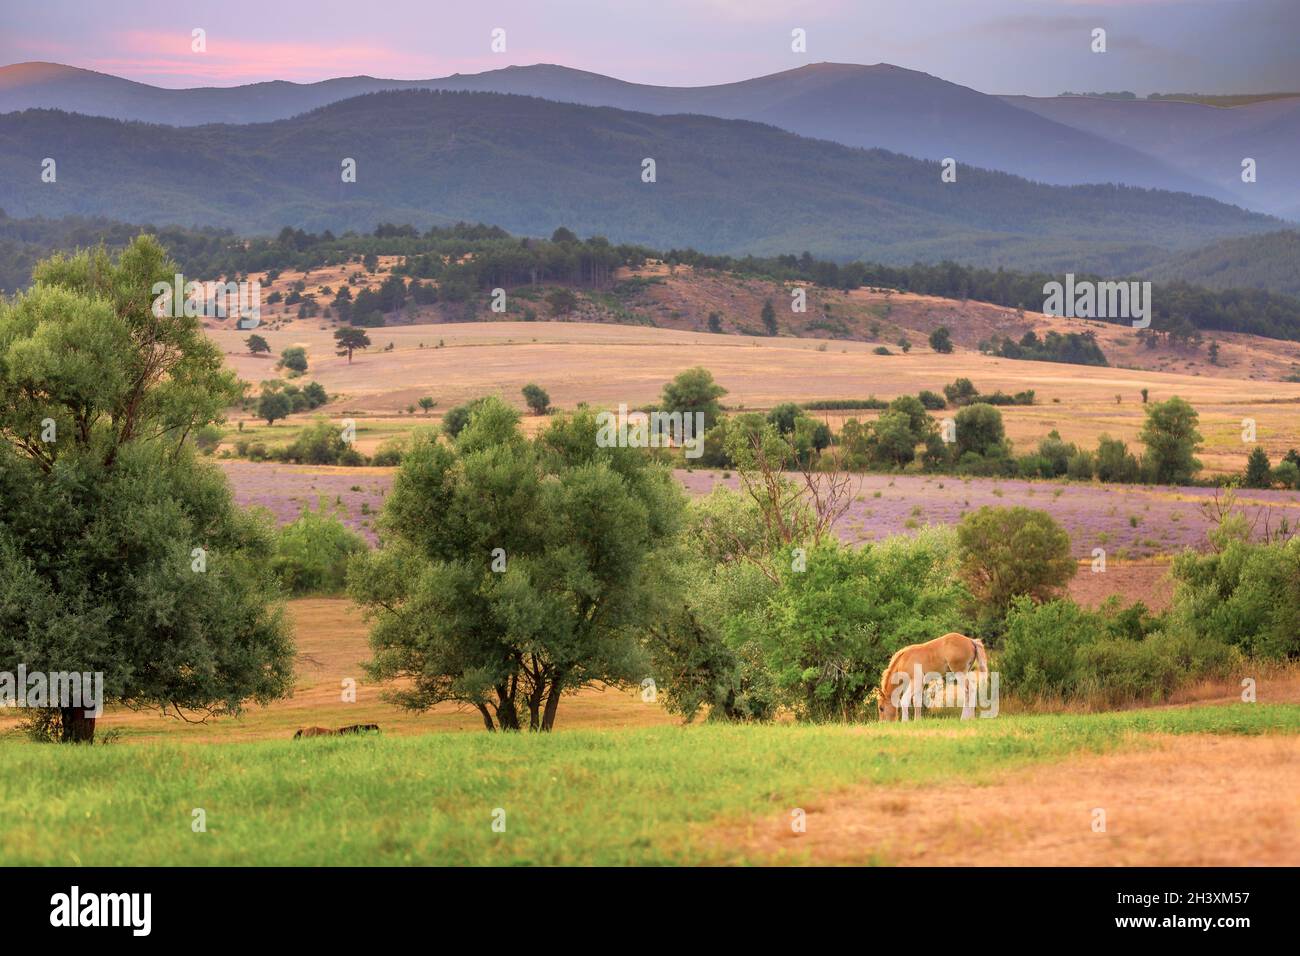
<point>1039,47</point>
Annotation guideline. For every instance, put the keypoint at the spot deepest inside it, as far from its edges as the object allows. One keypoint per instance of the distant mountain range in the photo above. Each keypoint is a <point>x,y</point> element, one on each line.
<point>1063,141</point>
<point>530,165</point>
<point>1207,143</point>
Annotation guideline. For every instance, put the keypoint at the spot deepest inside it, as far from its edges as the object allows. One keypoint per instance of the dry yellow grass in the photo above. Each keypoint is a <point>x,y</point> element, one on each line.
<point>1187,801</point>
<point>604,365</point>
<point>331,637</point>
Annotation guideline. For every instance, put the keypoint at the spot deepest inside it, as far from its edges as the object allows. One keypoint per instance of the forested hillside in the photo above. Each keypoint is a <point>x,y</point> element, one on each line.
<point>529,165</point>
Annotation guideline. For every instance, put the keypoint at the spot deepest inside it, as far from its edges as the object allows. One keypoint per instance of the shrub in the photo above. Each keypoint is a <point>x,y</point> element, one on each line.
<point>1114,463</point>
<point>1008,552</point>
<point>320,443</point>
<point>1171,440</point>
<point>294,359</point>
<point>1247,594</point>
<point>980,430</point>
<point>389,454</point>
<point>1079,467</point>
<point>312,552</point>
<point>456,418</point>
<point>537,399</point>
<point>828,631</point>
<point>1111,655</point>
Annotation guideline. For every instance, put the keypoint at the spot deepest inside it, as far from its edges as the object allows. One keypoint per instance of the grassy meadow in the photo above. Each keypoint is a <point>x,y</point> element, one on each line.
<point>646,796</point>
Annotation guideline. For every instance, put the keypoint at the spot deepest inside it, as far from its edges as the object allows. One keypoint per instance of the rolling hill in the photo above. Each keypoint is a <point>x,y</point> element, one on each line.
<point>877,106</point>
<point>1270,262</point>
<point>531,165</point>
<point>1202,141</point>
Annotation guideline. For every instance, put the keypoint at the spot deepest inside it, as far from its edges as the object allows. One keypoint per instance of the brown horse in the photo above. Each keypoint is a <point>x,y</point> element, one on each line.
<point>950,654</point>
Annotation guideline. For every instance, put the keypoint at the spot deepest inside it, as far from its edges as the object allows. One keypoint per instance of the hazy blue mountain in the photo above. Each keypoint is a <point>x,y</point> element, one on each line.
<point>530,165</point>
<point>878,106</point>
<point>1205,142</point>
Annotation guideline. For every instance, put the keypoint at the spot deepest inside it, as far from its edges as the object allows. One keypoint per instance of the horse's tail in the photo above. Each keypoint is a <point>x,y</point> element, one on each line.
<point>981,658</point>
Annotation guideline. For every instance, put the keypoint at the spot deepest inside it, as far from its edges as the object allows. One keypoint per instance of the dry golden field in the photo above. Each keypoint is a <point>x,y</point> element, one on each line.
<point>608,364</point>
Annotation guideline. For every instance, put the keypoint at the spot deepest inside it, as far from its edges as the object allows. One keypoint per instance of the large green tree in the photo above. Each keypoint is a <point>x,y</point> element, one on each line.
<point>1008,552</point>
<point>514,571</point>
<point>120,553</point>
<point>1172,441</point>
<point>694,390</point>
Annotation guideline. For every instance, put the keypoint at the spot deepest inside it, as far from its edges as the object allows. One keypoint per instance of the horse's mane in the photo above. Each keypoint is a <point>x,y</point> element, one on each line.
<point>889,668</point>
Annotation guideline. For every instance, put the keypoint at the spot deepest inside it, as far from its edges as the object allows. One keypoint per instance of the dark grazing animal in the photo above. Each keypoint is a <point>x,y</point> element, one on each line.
<point>314,732</point>
<point>359,729</point>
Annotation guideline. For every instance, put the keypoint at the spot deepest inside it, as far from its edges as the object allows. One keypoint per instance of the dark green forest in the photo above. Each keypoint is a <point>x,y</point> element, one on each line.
<point>723,186</point>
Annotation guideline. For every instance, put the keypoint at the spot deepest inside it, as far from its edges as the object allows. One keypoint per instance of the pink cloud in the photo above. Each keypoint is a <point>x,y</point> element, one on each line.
<point>167,59</point>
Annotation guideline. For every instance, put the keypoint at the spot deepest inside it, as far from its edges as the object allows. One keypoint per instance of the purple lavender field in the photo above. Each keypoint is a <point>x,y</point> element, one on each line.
<point>1129,521</point>
<point>285,490</point>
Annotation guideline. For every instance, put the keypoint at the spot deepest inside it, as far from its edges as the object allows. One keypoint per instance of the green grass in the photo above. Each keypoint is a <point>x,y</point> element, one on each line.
<point>570,798</point>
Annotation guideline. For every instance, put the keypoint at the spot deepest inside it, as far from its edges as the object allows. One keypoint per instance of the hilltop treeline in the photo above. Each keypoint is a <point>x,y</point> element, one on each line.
<point>1178,308</point>
<point>465,257</point>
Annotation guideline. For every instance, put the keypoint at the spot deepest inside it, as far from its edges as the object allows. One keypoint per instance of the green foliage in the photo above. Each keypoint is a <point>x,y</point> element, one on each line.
<point>321,443</point>
<point>256,344</point>
<point>458,416</point>
<point>828,631</point>
<point>561,301</point>
<point>784,417</point>
<point>1259,472</point>
<point>312,553</point>
<point>389,453</point>
<point>207,438</point>
<point>349,339</point>
<point>694,390</point>
<point>515,571</point>
<point>294,358</point>
<point>1246,594</point>
<point>961,392</point>
<point>273,405</point>
<point>1009,552</point>
<point>980,431</point>
<point>941,339</point>
<point>1287,474</point>
<point>1171,440</point>
<point>99,527</point>
<point>1076,348</point>
<point>1114,462</point>
<point>536,398</point>
<point>1108,656</point>
<point>466,256</point>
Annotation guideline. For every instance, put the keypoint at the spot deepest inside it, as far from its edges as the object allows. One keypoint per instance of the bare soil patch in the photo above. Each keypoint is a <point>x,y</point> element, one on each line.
<point>1187,801</point>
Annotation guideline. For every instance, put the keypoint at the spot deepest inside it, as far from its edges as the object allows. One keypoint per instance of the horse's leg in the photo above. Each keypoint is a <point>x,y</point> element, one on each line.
<point>902,707</point>
<point>968,697</point>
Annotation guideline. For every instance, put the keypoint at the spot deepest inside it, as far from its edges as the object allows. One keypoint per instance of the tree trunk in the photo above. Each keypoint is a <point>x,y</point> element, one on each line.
<point>552,704</point>
<point>77,727</point>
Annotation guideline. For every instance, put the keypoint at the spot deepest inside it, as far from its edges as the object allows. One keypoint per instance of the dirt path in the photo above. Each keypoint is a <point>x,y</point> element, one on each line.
<point>1191,801</point>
